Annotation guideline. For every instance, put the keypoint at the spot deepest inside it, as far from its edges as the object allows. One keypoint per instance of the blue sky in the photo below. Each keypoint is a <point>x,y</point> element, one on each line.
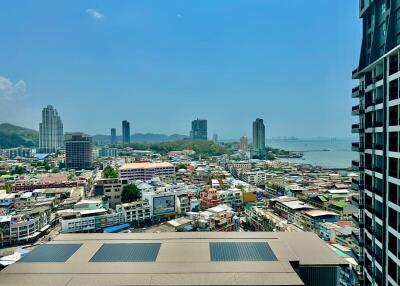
<point>160,64</point>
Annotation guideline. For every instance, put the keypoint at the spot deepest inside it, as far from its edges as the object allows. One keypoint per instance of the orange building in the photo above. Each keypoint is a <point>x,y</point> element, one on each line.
<point>209,198</point>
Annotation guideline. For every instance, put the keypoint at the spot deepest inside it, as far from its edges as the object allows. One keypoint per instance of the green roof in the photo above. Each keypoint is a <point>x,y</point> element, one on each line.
<point>322,198</point>
<point>340,204</point>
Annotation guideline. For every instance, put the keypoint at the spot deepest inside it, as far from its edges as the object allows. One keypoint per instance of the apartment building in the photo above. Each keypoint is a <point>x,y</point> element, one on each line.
<point>255,178</point>
<point>146,171</point>
<point>378,127</point>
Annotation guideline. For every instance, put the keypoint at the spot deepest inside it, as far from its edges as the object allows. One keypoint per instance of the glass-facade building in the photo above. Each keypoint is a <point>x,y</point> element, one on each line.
<point>258,149</point>
<point>199,130</point>
<point>113,136</point>
<point>126,132</point>
<point>377,245</point>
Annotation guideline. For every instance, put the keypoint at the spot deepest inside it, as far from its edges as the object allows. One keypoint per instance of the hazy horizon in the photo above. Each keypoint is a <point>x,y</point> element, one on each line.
<point>162,64</point>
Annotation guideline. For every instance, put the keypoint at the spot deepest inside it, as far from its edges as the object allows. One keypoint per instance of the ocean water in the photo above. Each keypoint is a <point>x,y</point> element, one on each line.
<point>323,152</point>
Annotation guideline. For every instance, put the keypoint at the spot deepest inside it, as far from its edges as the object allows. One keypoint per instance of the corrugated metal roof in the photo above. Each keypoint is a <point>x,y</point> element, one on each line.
<point>127,252</point>
<point>51,253</point>
<point>241,251</point>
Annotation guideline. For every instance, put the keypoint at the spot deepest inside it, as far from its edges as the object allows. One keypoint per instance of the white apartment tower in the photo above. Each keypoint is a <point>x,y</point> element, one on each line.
<point>51,136</point>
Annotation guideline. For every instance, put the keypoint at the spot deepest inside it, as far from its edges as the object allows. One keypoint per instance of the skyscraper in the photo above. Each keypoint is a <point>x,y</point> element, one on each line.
<point>244,145</point>
<point>50,131</point>
<point>377,245</point>
<point>199,130</point>
<point>215,138</point>
<point>126,132</point>
<point>78,151</point>
<point>258,150</point>
<point>113,135</point>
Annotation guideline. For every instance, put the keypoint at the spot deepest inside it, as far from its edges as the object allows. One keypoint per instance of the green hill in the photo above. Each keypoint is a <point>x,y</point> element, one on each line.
<point>15,136</point>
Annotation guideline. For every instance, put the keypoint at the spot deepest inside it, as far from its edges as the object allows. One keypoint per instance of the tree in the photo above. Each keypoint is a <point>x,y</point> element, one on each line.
<point>18,170</point>
<point>180,166</point>
<point>110,172</point>
<point>130,193</point>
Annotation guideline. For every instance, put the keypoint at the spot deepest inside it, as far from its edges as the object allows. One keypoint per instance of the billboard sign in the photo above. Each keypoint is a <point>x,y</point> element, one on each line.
<point>163,205</point>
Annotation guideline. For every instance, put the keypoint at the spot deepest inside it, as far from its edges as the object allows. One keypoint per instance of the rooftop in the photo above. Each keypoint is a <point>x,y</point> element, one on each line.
<point>195,258</point>
<point>146,165</point>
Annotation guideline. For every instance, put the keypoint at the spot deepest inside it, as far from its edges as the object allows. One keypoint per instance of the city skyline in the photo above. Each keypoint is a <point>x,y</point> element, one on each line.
<point>248,78</point>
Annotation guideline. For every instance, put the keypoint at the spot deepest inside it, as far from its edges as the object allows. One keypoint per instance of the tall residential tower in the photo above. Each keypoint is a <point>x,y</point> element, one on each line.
<point>199,130</point>
<point>244,145</point>
<point>51,134</point>
<point>258,150</point>
<point>126,132</point>
<point>113,135</point>
<point>377,245</point>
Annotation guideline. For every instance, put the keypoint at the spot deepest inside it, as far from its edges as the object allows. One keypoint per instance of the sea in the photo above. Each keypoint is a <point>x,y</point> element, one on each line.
<point>328,153</point>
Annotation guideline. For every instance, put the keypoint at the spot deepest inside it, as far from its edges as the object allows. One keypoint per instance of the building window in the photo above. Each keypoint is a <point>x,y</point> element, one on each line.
<point>392,269</point>
<point>393,193</point>
<point>393,141</point>
<point>392,218</point>
<point>392,243</point>
<point>393,167</point>
<point>393,115</point>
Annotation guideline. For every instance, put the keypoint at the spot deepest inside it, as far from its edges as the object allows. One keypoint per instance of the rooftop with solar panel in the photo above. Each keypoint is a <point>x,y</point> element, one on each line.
<point>195,258</point>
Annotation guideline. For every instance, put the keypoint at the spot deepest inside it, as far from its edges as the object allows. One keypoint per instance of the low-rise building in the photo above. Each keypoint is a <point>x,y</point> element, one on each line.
<point>138,211</point>
<point>110,188</point>
<point>255,177</point>
<point>146,171</point>
<point>6,200</point>
<point>209,198</point>
<point>24,227</point>
<point>232,197</point>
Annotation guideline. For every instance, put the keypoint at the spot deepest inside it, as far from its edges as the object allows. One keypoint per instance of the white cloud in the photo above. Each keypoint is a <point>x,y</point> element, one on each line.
<point>95,14</point>
<point>8,90</point>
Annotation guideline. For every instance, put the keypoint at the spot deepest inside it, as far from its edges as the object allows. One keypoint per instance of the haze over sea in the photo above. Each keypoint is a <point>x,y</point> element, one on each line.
<point>329,153</point>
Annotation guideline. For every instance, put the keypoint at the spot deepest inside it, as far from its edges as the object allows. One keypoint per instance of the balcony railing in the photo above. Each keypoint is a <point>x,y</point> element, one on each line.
<point>357,110</point>
<point>355,128</point>
<point>378,169</point>
<point>354,73</point>
<point>356,166</point>
<point>378,77</point>
<point>355,146</point>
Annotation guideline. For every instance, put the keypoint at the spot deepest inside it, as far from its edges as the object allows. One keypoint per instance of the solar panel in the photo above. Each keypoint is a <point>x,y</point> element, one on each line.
<point>51,253</point>
<point>127,252</point>
<point>241,251</point>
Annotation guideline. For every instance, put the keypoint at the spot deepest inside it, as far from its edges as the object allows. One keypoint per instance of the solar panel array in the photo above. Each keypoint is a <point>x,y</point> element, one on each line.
<point>241,251</point>
<point>51,253</point>
<point>127,252</point>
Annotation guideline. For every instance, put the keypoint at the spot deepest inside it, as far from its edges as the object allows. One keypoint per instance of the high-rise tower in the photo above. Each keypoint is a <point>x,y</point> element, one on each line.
<point>78,151</point>
<point>126,132</point>
<point>199,130</point>
<point>244,145</point>
<point>113,135</point>
<point>377,244</point>
<point>258,150</point>
<point>51,134</point>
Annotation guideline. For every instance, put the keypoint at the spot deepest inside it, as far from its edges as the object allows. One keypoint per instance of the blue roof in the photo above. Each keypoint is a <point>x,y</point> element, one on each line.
<point>115,228</point>
<point>188,228</point>
<point>41,156</point>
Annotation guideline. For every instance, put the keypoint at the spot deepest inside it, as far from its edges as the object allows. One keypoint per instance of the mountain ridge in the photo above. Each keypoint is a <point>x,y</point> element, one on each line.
<point>12,136</point>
